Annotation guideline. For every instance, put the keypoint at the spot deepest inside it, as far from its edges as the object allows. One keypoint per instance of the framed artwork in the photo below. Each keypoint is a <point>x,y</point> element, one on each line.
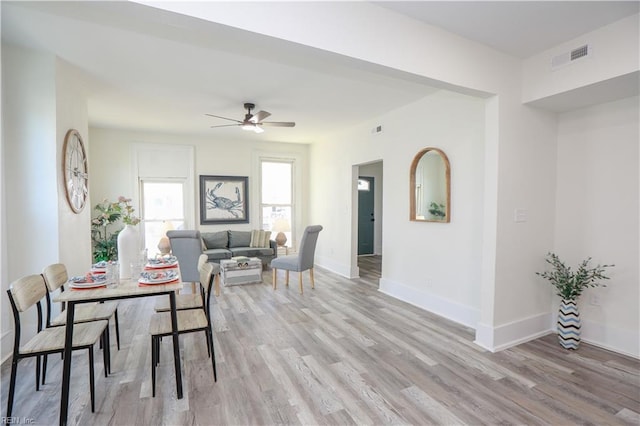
<point>224,199</point>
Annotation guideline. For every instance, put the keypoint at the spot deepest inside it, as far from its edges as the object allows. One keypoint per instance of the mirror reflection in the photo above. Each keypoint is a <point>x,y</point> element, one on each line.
<point>430,186</point>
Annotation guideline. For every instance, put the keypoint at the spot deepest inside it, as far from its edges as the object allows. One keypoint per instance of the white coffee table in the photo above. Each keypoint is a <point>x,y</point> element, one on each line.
<point>246,272</point>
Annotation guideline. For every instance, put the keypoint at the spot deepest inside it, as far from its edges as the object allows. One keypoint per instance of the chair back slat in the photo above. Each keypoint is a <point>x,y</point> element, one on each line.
<point>27,291</point>
<point>202,260</point>
<point>206,277</point>
<point>55,276</point>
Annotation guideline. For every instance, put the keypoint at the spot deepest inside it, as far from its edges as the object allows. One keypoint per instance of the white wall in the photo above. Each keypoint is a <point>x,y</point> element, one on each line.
<point>111,165</point>
<point>433,265</point>
<point>615,53</point>
<point>597,211</point>
<point>30,203</point>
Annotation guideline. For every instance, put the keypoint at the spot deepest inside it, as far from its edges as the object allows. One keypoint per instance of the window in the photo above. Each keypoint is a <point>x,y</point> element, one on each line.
<point>162,210</point>
<point>276,197</point>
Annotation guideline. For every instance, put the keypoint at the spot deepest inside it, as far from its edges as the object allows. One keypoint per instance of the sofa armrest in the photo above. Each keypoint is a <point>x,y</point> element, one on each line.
<point>274,246</point>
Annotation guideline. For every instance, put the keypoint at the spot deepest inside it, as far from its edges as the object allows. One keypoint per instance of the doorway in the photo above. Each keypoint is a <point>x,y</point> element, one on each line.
<point>367,242</point>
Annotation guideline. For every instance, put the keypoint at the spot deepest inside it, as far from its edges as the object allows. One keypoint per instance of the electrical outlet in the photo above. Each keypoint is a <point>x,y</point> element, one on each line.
<point>595,299</point>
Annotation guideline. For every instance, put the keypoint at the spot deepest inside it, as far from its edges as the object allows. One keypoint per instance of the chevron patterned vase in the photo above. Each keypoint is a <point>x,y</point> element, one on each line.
<point>569,324</point>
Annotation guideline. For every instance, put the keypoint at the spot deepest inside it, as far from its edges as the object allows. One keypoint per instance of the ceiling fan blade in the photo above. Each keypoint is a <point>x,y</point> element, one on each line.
<point>279,123</point>
<point>259,116</point>
<point>228,125</point>
<point>225,118</point>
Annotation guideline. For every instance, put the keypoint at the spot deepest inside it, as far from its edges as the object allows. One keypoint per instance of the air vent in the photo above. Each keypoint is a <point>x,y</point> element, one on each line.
<point>568,57</point>
<point>580,52</point>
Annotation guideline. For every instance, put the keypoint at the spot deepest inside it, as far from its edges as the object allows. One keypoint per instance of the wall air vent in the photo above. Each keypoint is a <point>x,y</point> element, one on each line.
<point>579,52</point>
<point>568,57</point>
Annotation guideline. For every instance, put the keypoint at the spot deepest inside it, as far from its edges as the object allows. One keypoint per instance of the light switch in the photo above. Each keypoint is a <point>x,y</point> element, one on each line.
<point>520,215</point>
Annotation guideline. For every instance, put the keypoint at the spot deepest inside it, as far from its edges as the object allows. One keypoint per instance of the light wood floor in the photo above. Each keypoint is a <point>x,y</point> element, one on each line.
<point>341,354</point>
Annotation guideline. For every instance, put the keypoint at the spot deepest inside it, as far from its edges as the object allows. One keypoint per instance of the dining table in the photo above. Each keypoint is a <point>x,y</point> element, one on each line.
<point>125,289</point>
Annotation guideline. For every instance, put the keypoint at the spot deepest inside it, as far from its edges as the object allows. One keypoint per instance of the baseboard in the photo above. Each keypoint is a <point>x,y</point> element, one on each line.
<point>614,339</point>
<point>504,336</point>
<point>335,267</point>
<point>446,308</point>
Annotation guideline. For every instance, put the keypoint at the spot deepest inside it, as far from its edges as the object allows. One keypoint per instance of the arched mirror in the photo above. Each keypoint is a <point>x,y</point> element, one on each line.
<point>430,180</point>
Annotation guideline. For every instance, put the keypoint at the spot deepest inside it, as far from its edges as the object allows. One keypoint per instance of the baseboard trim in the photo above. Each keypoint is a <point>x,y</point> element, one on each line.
<point>505,336</point>
<point>462,314</point>
<point>335,267</point>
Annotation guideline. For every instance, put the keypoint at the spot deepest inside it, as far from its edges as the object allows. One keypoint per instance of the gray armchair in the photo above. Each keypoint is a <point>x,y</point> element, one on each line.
<point>186,245</point>
<point>301,261</point>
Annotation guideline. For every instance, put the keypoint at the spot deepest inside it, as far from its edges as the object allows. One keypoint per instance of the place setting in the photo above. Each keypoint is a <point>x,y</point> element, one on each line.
<point>89,281</point>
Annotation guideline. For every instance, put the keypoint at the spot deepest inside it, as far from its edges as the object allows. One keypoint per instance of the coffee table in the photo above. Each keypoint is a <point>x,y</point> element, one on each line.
<point>234,272</point>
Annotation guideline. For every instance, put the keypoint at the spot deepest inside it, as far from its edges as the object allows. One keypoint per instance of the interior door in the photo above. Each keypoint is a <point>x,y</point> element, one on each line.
<point>366,217</point>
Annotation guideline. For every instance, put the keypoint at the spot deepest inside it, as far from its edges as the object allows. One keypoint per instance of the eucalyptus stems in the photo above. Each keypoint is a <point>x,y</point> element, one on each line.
<point>570,284</point>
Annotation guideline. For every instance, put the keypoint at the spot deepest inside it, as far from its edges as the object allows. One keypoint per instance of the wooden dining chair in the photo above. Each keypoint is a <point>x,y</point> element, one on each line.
<point>189,321</point>
<point>55,276</point>
<point>26,292</point>
<point>186,301</point>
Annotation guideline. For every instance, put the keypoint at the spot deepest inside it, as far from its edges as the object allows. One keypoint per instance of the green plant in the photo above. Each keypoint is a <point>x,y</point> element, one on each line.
<point>104,239</point>
<point>570,284</point>
<point>437,209</point>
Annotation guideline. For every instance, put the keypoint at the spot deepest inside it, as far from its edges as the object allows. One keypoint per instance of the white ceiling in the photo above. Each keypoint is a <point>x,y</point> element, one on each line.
<point>149,70</point>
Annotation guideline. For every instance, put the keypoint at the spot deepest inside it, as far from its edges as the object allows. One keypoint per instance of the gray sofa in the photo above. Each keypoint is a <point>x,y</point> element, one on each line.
<point>226,244</point>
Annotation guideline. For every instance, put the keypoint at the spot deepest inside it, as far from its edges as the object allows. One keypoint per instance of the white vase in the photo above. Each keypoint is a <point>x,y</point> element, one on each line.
<point>128,250</point>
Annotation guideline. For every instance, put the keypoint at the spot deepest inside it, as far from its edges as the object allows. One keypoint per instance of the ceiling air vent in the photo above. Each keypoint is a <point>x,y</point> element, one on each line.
<point>568,57</point>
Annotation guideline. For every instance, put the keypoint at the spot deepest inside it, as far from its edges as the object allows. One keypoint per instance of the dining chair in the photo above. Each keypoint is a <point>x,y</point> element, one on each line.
<point>186,245</point>
<point>189,321</point>
<point>56,276</point>
<point>26,292</point>
<point>299,262</point>
<point>191,300</point>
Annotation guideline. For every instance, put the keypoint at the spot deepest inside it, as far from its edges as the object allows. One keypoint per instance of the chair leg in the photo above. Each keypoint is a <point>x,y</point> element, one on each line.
<point>286,278</point>
<point>153,367</point>
<point>193,288</point>
<point>44,368</point>
<point>217,284</point>
<point>92,381</point>
<point>213,355</point>
<point>106,351</point>
<point>313,284</point>
<point>300,281</point>
<point>274,275</point>
<point>117,329</point>
<point>12,385</point>
<point>38,372</point>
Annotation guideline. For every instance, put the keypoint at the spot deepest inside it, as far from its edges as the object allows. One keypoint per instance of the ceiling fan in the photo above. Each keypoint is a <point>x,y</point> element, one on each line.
<point>253,122</point>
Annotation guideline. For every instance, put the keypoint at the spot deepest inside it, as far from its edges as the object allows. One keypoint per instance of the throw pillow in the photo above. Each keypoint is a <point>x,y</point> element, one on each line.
<point>260,238</point>
<point>239,238</point>
<point>215,240</point>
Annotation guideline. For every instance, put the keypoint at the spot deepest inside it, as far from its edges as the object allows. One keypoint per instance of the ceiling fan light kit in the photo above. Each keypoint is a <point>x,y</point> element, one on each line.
<point>253,122</point>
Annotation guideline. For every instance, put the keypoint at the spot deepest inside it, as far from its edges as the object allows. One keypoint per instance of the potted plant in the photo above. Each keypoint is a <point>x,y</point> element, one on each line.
<point>569,286</point>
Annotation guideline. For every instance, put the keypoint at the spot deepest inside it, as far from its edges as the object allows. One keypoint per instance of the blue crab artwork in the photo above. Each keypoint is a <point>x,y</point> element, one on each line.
<point>222,203</point>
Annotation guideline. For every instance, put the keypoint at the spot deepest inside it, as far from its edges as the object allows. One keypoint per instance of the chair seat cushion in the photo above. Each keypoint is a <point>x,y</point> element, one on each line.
<point>88,312</point>
<point>52,339</point>
<point>290,263</point>
<point>189,320</point>
<point>251,251</point>
<point>183,301</point>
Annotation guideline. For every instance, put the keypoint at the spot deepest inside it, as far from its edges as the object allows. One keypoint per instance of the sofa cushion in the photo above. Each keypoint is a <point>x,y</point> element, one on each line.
<point>215,240</point>
<point>251,252</point>
<point>260,238</point>
<point>217,254</point>
<point>239,238</point>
